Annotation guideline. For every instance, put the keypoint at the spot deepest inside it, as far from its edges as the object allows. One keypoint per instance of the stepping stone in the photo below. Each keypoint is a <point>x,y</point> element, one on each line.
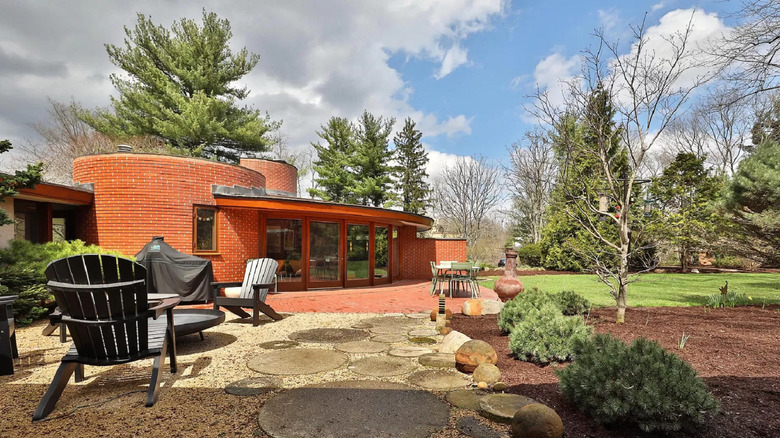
<point>253,386</point>
<point>391,321</point>
<point>354,410</point>
<point>328,335</point>
<point>393,314</point>
<point>466,398</point>
<point>389,330</point>
<point>409,351</point>
<point>502,407</point>
<point>297,361</point>
<point>389,338</point>
<point>278,345</point>
<point>362,347</point>
<point>438,360</point>
<point>422,341</point>
<point>439,380</point>
<point>362,325</point>
<point>382,366</point>
<point>418,315</point>
<point>471,427</point>
<point>423,332</point>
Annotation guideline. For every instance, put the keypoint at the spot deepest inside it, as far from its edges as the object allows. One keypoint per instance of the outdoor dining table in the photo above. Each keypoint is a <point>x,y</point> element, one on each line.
<point>446,269</point>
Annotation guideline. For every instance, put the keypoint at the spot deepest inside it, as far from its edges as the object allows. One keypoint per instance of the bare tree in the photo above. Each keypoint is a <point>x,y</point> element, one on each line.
<point>465,193</point>
<point>301,159</point>
<point>531,172</point>
<point>727,121</point>
<point>649,87</point>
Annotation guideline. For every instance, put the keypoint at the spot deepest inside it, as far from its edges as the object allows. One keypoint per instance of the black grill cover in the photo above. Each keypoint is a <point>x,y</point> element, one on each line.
<point>172,272</point>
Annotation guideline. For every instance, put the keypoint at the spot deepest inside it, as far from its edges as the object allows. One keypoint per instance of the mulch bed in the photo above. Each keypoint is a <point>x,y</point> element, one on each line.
<point>736,351</point>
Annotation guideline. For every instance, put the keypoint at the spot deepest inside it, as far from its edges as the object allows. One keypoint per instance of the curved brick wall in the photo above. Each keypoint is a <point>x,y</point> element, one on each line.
<point>137,196</point>
<point>280,175</point>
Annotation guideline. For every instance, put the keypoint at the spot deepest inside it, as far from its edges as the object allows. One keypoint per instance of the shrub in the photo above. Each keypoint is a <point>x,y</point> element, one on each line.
<point>641,383</point>
<point>731,299</point>
<point>544,335</point>
<point>516,308</point>
<point>572,303</point>
<point>734,262</point>
<point>530,255</point>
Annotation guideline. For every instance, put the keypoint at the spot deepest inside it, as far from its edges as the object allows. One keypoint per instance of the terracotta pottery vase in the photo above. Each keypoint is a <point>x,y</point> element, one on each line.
<point>508,286</point>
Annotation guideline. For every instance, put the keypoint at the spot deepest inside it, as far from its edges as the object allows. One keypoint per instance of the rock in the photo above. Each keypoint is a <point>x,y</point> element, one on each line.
<point>437,360</point>
<point>536,421</point>
<point>472,307</point>
<point>409,351</point>
<point>659,271</point>
<point>452,342</point>
<point>466,398</point>
<point>694,271</point>
<point>470,426</point>
<point>446,330</point>
<point>422,340</point>
<point>487,373</point>
<point>491,307</point>
<point>473,353</point>
<point>502,407</point>
<point>482,385</point>
<point>382,366</point>
<point>438,380</point>
<point>499,387</point>
<point>447,313</point>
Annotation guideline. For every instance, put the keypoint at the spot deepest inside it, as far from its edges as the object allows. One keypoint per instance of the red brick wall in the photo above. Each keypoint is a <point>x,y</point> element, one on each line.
<point>417,254</point>
<point>279,176</point>
<point>137,196</point>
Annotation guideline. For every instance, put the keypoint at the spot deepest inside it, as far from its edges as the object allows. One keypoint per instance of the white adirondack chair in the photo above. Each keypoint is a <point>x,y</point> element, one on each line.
<point>259,277</point>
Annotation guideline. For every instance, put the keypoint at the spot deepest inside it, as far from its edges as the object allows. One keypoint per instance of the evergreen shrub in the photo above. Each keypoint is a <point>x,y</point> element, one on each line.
<point>530,255</point>
<point>515,309</point>
<point>572,303</point>
<point>544,335</point>
<point>642,384</point>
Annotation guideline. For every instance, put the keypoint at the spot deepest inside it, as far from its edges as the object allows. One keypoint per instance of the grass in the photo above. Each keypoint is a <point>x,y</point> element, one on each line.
<point>661,289</point>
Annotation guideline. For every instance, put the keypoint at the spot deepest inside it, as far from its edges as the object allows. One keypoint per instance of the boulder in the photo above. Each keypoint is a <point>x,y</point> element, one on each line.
<point>446,330</point>
<point>491,307</point>
<point>452,342</point>
<point>694,271</point>
<point>499,387</point>
<point>473,353</point>
<point>502,407</point>
<point>482,385</point>
<point>536,421</point>
<point>447,314</point>
<point>472,307</point>
<point>487,373</point>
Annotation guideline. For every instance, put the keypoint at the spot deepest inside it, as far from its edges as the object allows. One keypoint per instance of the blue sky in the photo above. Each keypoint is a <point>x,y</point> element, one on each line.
<point>461,68</point>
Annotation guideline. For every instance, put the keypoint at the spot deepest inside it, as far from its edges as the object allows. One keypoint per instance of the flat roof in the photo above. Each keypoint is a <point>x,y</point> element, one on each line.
<point>57,193</point>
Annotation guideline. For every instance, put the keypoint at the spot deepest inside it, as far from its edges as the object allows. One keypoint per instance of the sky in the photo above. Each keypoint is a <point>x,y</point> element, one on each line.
<point>463,70</point>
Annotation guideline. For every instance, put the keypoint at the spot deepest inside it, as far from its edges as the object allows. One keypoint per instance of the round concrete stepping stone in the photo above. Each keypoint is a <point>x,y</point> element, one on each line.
<point>253,386</point>
<point>391,321</point>
<point>423,332</point>
<point>418,315</point>
<point>438,360</point>
<point>362,325</point>
<point>389,339</point>
<point>328,335</point>
<point>438,380</point>
<point>382,366</point>
<point>466,398</point>
<point>297,361</point>
<point>362,347</point>
<point>422,340</point>
<point>393,314</point>
<point>389,330</point>
<point>502,407</point>
<point>471,427</point>
<point>409,351</point>
<point>278,345</point>
<point>353,410</point>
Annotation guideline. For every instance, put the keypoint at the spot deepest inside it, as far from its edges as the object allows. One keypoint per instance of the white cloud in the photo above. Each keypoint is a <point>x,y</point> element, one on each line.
<point>431,127</point>
<point>657,6</point>
<point>437,161</point>
<point>552,72</point>
<point>609,19</point>
<point>455,57</point>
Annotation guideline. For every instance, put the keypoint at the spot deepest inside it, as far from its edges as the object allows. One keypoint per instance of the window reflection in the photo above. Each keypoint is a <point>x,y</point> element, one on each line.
<point>357,252</point>
<point>283,242</point>
<point>381,252</point>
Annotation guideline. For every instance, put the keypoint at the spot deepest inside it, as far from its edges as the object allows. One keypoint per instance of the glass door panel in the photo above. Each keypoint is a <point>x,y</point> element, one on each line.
<point>357,252</point>
<point>284,243</point>
<point>324,259</point>
<point>381,252</point>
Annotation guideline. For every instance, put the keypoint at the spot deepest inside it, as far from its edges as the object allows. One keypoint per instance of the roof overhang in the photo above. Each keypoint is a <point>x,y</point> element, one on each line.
<point>57,194</point>
<point>311,207</point>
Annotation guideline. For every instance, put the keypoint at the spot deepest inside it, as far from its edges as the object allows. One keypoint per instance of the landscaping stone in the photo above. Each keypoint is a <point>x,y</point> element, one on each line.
<point>438,380</point>
<point>447,313</point>
<point>353,410</point>
<point>328,335</point>
<point>391,321</point>
<point>423,332</point>
<point>389,338</point>
<point>393,314</point>
<point>536,421</point>
<point>502,407</point>
<point>482,385</point>
<point>382,366</point>
<point>452,342</point>
<point>471,427</point>
<point>437,360</point>
<point>491,307</point>
<point>297,361</point>
<point>253,386</point>
<point>466,398</point>
<point>487,373</point>
<point>278,345</point>
<point>472,353</point>
<point>362,325</point>
<point>446,330</point>
<point>422,340</point>
<point>499,387</point>
<point>361,347</point>
<point>409,351</point>
<point>389,330</point>
<point>472,307</point>
<point>417,315</point>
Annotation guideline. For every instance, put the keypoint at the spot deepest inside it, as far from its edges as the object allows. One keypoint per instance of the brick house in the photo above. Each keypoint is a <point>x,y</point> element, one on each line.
<point>228,214</point>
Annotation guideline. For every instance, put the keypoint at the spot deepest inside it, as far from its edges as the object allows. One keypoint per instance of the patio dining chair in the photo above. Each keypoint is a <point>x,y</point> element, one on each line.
<point>437,278</point>
<point>461,274</point>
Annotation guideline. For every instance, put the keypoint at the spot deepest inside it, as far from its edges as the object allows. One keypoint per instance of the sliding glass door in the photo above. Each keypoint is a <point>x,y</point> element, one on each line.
<point>325,260</point>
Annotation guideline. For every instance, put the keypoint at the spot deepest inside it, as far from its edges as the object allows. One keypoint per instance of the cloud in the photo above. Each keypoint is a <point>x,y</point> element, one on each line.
<point>657,6</point>
<point>609,19</point>
<point>455,57</point>
<point>552,72</point>
<point>437,161</point>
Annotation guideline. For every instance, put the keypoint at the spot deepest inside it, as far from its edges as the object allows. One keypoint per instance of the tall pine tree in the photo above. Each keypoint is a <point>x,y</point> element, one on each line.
<point>334,161</point>
<point>410,173</point>
<point>371,160</point>
<point>21,179</point>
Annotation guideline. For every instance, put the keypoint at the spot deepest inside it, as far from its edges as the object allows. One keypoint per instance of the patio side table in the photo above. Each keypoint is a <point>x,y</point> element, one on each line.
<point>8,351</point>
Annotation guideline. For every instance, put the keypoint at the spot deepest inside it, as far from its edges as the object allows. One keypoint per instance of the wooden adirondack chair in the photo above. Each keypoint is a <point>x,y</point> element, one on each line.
<point>110,324</point>
<point>258,278</point>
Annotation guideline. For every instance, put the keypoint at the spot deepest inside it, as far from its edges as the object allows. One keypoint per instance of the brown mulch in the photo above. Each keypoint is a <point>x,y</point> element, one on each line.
<point>736,351</point>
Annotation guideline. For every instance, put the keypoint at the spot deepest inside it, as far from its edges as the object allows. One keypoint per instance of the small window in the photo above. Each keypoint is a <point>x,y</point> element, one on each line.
<point>205,229</point>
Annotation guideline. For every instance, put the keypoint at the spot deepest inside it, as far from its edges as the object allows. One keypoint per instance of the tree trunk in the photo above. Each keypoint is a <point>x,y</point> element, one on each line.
<point>625,242</point>
<point>621,305</point>
<point>683,260</point>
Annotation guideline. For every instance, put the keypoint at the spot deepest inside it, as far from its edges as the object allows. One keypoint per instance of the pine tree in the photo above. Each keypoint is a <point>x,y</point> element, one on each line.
<point>333,165</point>
<point>22,179</point>
<point>371,160</point>
<point>181,89</point>
<point>410,173</point>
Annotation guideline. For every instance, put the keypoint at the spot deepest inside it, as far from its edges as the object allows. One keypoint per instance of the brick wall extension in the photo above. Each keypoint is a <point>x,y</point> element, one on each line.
<point>138,196</point>
<point>280,175</point>
<point>417,254</point>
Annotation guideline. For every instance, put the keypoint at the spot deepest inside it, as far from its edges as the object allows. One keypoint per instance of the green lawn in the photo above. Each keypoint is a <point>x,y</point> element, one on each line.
<point>661,289</point>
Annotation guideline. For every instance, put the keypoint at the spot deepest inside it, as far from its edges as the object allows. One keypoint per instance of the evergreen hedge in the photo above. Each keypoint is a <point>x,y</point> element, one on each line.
<point>641,384</point>
<point>545,335</point>
<point>568,302</point>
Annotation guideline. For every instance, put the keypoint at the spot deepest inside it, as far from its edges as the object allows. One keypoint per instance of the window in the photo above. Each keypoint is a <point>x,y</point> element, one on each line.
<point>283,242</point>
<point>205,229</point>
